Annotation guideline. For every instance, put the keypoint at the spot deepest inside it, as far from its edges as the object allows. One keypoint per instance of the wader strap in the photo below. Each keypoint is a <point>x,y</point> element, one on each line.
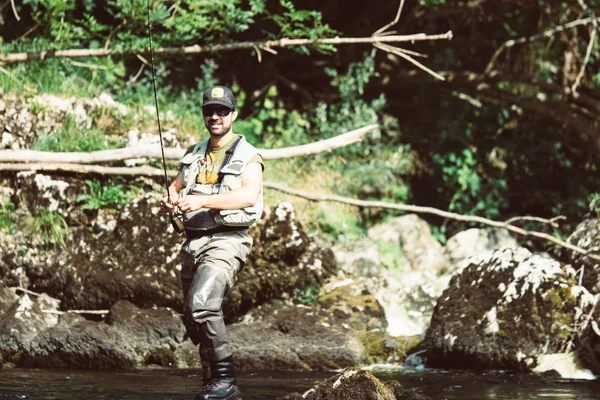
<point>227,158</point>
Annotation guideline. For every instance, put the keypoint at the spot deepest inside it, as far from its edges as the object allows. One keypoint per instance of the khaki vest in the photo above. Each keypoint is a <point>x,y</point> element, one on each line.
<point>208,218</point>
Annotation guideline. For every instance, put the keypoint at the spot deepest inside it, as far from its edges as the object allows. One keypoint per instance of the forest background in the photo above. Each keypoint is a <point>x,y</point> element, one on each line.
<point>511,130</point>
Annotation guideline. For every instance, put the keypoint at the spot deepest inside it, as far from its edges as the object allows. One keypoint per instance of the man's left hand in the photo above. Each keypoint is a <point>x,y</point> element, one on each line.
<point>190,203</point>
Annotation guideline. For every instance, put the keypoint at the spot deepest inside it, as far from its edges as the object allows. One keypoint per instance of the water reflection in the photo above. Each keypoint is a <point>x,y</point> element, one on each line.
<point>183,384</point>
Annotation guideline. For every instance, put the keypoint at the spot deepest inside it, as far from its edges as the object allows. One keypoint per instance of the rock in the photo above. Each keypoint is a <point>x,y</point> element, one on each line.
<point>355,384</point>
<point>295,338</point>
<point>154,334</point>
<point>80,344</point>
<point>413,235</point>
<point>477,241</point>
<point>350,304</point>
<point>135,257</point>
<point>407,296</point>
<point>587,237</point>
<point>20,324</point>
<point>283,258</point>
<point>7,298</point>
<point>589,341</point>
<point>502,311</point>
<point>128,338</point>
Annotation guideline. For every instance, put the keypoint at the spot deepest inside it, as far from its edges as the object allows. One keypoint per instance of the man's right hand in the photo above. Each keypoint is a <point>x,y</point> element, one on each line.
<point>167,204</point>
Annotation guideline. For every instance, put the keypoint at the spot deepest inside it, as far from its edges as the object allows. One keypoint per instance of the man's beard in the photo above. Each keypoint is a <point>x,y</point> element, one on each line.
<point>220,131</point>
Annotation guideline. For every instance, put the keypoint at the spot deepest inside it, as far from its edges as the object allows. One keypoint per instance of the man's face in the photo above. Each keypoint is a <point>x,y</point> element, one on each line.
<point>218,119</point>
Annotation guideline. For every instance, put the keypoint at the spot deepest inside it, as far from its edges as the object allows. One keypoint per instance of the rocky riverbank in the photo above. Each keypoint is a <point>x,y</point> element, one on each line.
<point>98,288</point>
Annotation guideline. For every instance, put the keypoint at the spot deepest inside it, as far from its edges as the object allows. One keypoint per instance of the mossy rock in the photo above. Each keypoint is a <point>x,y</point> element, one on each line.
<point>381,347</point>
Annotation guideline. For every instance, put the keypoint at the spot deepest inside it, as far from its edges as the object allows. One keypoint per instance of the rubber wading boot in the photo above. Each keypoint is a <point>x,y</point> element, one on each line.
<point>222,385</point>
<point>205,373</point>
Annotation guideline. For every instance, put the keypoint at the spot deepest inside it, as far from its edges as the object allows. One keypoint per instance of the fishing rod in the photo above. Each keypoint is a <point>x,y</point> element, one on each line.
<point>176,222</point>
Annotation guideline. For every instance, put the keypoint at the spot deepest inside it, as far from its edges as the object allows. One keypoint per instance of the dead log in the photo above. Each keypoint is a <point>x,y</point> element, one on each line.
<point>154,151</point>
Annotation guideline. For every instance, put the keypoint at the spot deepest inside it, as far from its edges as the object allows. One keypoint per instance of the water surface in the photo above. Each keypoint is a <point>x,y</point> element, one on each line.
<point>183,384</point>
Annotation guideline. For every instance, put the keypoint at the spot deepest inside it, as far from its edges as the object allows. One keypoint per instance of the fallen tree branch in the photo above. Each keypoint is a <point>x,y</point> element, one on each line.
<point>145,170</point>
<point>95,312</point>
<point>428,210</point>
<point>197,49</point>
<point>154,151</point>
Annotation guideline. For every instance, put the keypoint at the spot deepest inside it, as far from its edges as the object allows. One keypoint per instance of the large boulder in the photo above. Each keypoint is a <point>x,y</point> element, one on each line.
<point>295,338</point>
<point>504,310</point>
<point>283,258</point>
<point>589,341</point>
<point>355,384</point>
<point>475,241</point>
<point>133,253</point>
<point>128,338</point>
<point>413,235</point>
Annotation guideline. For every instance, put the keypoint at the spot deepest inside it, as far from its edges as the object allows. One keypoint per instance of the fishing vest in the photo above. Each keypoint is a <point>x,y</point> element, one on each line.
<point>230,178</point>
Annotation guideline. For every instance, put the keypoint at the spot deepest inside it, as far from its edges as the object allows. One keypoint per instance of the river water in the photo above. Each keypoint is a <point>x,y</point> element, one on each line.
<point>164,384</point>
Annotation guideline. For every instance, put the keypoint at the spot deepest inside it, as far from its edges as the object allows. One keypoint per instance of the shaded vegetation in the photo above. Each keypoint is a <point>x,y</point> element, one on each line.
<point>513,135</point>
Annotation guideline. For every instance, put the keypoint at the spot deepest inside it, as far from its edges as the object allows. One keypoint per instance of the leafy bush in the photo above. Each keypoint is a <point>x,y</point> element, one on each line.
<point>470,193</point>
<point>101,196</point>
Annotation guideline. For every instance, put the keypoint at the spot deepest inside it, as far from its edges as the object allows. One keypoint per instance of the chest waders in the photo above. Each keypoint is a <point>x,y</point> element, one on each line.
<point>215,251</point>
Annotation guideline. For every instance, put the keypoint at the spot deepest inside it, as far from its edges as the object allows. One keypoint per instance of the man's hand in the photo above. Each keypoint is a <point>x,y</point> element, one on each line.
<point>191,203</point>
<point>168,204</point>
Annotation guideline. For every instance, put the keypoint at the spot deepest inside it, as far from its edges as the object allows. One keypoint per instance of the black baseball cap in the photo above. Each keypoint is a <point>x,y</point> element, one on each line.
<point>220,95</point>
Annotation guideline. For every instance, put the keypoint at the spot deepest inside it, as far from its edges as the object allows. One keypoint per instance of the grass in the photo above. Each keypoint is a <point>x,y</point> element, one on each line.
<point>52,227</point>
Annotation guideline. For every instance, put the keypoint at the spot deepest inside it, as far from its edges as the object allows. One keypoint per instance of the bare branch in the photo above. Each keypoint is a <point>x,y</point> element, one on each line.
<point>382,30</point>
<point>587,53</point>
<point>21,289</point>
<point>546,34</point>
<point>400,53</point>
<point>428,210</point>
<point>95,312</point>
<point>14,9</point>
<point>196,49</point>
<point>551,221</point>
<point>154,151</point>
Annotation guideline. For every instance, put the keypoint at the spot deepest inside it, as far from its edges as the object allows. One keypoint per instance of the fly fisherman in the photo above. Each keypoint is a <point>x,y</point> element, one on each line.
<point>217,194</point>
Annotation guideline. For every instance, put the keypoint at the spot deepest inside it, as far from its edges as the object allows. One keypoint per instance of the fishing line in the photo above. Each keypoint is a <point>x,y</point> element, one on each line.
<point>162,146</point>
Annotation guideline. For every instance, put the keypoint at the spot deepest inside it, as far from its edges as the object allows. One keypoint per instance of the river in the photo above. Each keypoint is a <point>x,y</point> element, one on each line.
<point>162,384</point>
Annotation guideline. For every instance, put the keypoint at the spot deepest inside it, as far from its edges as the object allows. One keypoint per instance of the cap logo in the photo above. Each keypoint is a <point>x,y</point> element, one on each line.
<point>217,93</point>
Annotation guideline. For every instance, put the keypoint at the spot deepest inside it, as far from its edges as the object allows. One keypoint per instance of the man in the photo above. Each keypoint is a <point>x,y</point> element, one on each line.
<point>217,194</point>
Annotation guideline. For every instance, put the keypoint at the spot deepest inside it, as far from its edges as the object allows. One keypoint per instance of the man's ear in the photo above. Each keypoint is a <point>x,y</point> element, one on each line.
<point>234,115</point>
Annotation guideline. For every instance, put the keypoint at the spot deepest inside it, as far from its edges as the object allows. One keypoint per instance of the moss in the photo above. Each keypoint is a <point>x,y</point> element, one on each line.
<point>381,347</point>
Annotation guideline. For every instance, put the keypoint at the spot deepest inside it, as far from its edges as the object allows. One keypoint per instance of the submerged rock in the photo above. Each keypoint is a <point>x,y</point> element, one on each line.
<point>355,384</point>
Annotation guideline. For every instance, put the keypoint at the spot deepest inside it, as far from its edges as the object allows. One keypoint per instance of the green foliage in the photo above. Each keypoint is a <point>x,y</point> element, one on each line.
<point>306,294</point>
<point>305,24</point>
<point>101,196</point>
<point>472,194</point>
<point>123,24</point>
<point>7,209</point>
<point>595,203</point>
<point>51,227</point>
